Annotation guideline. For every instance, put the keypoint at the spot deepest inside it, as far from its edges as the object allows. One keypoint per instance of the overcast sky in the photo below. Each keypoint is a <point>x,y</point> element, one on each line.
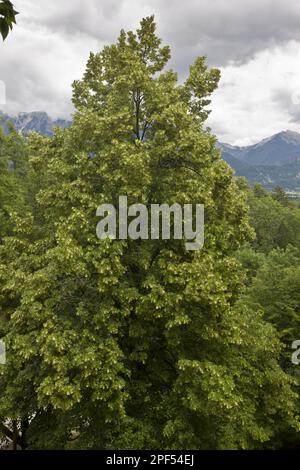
<point>255,43</point>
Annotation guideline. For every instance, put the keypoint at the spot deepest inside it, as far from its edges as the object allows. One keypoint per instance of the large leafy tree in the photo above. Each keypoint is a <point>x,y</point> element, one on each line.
<point>135,344</point>
<point>7,17</point>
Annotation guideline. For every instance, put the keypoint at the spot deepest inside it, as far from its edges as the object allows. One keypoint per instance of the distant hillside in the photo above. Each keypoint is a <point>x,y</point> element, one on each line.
<point>271,162</point>
<point>35,121</point>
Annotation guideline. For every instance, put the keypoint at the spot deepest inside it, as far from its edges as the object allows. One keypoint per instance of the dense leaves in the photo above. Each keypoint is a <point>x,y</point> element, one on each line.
<point>272,268</point>
<point>136,344</point>
<point>7,17</point>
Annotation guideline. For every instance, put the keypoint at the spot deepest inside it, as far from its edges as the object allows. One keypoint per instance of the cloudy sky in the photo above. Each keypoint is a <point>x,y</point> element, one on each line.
<point>255,43</point>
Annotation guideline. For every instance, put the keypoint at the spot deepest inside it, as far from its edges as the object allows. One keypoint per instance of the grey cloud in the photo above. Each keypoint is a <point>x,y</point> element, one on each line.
<point>223,30</point>
<point>288,102</point>
<point>49,47</point>
<point>99,19</point>
<point>229,30</point>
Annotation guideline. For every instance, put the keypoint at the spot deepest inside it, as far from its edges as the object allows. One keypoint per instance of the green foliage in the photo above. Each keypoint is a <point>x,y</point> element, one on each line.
<point>135,344</point>
<point>13,178</point>
<point>7,17</point>
<point>279,195</point>
<point>251,261</point>
<point>273,275</point>
<point>276,290</point>
<point>276,222</point>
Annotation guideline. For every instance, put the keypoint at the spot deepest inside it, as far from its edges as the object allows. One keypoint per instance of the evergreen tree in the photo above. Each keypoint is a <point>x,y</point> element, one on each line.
<point>276,223</point>
<point>280,195</point>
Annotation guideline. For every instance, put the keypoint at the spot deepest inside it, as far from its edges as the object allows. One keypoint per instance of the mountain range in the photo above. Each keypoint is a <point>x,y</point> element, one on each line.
<point>274,161</point>
<point>35,121</point>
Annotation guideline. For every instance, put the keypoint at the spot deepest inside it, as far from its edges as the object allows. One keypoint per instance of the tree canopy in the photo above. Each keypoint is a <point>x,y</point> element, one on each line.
<point>135,344</point>
<point>7,17</point>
